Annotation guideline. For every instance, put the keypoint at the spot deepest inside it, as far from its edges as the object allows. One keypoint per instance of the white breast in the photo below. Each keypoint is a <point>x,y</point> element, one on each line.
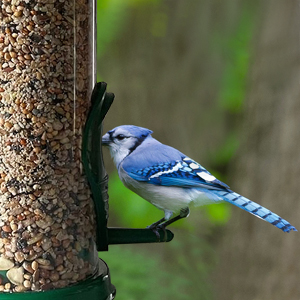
<point>165,197</point>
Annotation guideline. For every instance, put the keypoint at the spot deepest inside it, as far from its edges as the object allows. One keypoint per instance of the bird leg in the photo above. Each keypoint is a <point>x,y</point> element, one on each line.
<point>184,212</point>
<point>163,223</point>
<point>154,227</point>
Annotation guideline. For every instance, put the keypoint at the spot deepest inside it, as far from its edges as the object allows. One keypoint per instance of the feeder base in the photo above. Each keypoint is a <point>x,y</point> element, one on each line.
<point>98,287</point>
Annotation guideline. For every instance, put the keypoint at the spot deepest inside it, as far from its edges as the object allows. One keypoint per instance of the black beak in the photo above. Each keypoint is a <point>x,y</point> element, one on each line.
<point>106,140</point>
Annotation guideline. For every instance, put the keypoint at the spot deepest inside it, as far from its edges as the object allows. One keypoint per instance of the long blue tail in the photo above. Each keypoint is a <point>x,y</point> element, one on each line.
<point>255,209</point>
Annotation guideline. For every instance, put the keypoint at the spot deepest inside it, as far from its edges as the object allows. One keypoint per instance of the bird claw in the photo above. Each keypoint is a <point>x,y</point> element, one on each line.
<point>157,234</point>
<point>163,228</point>
<point>155,229</point>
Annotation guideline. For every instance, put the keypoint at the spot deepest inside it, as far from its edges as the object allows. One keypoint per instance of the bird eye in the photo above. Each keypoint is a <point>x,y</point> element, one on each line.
<point>120,137</point>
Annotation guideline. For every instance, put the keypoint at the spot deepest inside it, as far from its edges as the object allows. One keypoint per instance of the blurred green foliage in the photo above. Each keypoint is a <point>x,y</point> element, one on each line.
<point>237,55</point>
<point>223,155</point>
<point>136,274</point>
<point>111,15</point>
<point>159,24</point>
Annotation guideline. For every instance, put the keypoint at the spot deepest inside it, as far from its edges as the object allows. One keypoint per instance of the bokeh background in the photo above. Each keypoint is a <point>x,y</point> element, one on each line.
<point>218,80</point>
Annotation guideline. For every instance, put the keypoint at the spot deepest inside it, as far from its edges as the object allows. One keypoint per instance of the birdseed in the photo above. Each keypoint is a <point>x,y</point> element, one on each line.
<point>47,222</point>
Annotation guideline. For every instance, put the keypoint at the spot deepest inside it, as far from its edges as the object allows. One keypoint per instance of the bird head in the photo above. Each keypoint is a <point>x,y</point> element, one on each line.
<point>124,139</point>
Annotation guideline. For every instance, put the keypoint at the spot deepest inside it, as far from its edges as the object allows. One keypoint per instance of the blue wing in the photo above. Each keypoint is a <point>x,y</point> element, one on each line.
<point>164,165</point>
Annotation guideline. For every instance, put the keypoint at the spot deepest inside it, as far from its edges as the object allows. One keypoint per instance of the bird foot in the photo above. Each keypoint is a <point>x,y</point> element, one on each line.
<point>155,228</point>
<point>163,228</point>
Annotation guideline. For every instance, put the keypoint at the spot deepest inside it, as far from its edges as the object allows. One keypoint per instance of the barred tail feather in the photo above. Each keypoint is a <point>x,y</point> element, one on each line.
<point>256,210</point>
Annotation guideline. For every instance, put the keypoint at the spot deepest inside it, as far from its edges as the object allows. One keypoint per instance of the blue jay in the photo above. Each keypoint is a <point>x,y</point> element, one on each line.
<point>170,180</point>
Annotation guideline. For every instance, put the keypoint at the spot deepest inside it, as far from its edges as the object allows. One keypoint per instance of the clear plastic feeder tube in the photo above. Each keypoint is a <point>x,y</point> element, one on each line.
<point>47,71</point>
